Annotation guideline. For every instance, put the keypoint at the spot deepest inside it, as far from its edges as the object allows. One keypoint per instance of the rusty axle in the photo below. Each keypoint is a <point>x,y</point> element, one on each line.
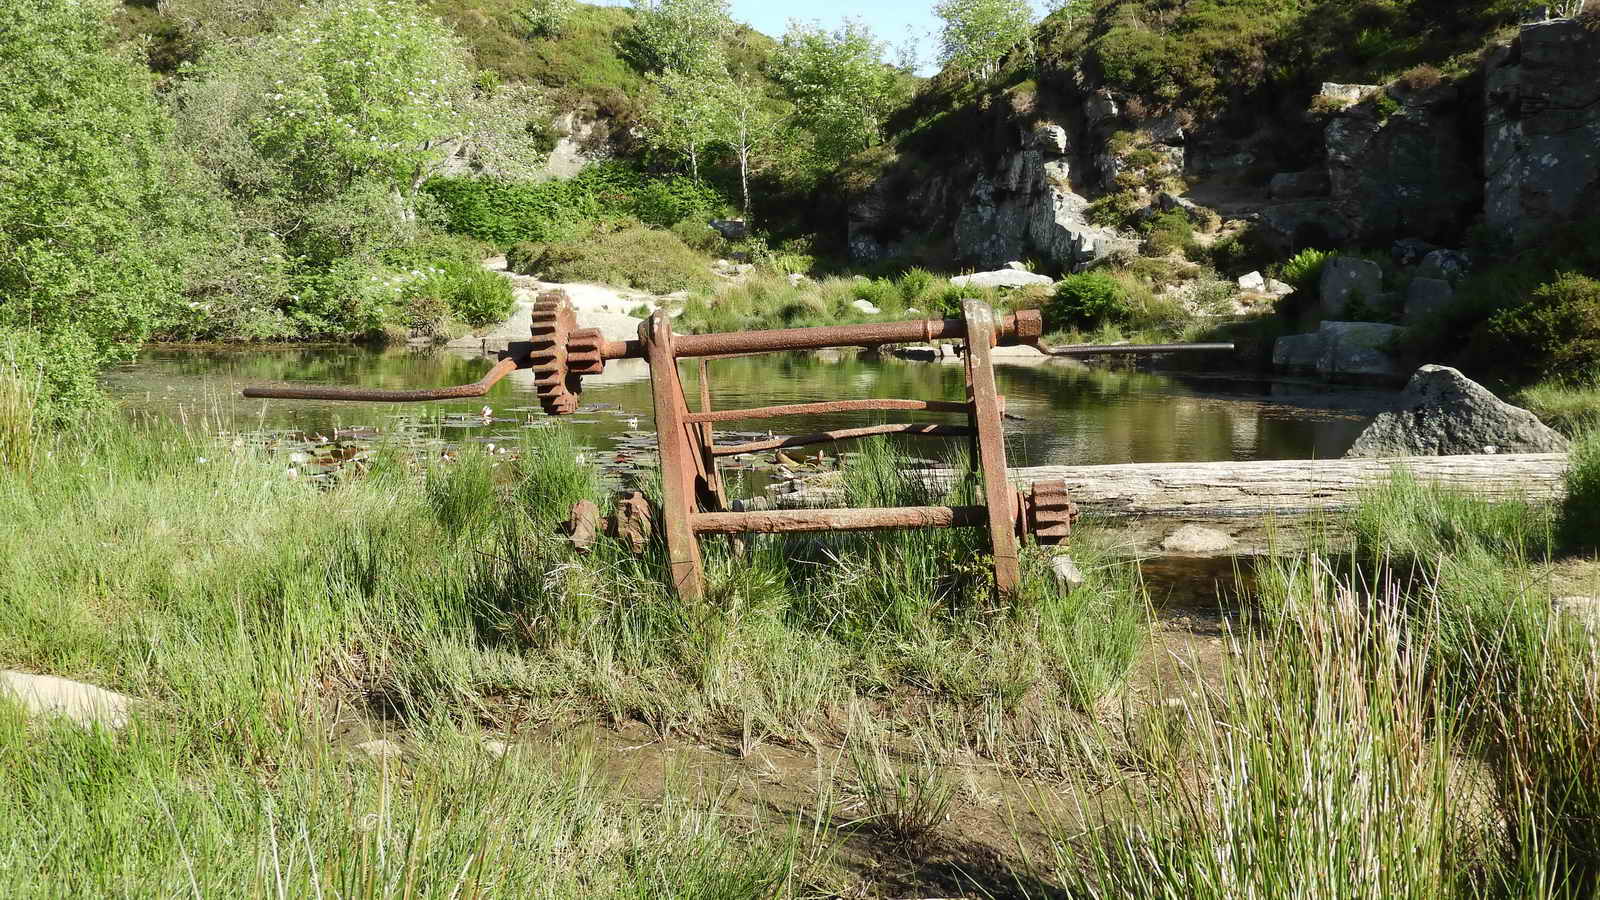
<point>842,434</point>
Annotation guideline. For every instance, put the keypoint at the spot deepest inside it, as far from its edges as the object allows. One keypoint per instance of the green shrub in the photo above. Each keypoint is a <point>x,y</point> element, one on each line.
<point>630,256</point>
<point>482,297</point>
<point>1086,300</point>
<point>1580,511</point>
<point>1303,271</point>
<point>1241,252</point>
<point>51,377</point>
<point>915,282</point>
<point>1555,332</point>
<point>1168,233</point>
<point>505,213</point>
<point>522,256</point>
<point>699,237</point>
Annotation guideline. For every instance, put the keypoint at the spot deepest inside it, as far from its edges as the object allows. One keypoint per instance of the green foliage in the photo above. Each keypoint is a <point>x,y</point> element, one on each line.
<point>1085,300</point>
<point>1168,233</point>
<point>504,213</point>
<point>521,257</point>
<point>977,33</point>
<point>101,220</point>
<point>626,254</point>
<point>1303,271</point>
<point>1234,254</point>
<point>679,35</point>
<point>699,236</point>
<point>48,379</point>
<point>841,85</point>
<point>549,18</point>
<point>1555,331</point>
<point>1580,509</point>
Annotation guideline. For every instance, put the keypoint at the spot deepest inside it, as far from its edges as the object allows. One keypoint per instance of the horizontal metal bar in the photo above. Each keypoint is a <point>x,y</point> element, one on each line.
<point>1021,327</point>
<point>1120,349</point>
<point>823,408</point>
<point>781,521</point>
<point>369,395</point>
<point>842,434</point>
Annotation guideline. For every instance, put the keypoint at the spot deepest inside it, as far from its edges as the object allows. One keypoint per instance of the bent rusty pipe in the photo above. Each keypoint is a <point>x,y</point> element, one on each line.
<point>477,389</point>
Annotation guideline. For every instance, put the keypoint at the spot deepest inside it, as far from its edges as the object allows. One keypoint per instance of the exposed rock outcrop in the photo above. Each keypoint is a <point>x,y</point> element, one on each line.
<point>1444,413</point>
<point>1003,278</point>
<point>1346,279</point>
<point>1542,128</point>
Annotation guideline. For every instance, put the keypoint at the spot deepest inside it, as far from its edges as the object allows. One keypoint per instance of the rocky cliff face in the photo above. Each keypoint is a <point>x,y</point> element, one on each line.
<point>1516,147</point>
<point>1542,128</point>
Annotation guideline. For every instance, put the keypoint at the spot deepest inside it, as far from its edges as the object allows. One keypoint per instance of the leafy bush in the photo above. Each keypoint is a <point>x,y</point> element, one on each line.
<point>1085,300</point>
<point>1555,332</point>
<point>52,375</point>
<point>1241,252</point>
<point>523,256</point>
<point>101,219</point>
<point>1168,233</point>
<point>700,237</point>
<point>504,213</point>
<point>630,255</point>
<point>482,298</point>
<point>1303,271</point>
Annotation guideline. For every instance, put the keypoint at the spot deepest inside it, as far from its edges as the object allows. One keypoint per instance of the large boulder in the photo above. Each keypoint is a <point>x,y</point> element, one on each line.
<point>1444,413</point>
<point>1426,296</point>
<point>1352,350</point>
<point>1002,278</point>
<point>1299,185</point>
<point>1347,278</point>
<point>1542,128</point>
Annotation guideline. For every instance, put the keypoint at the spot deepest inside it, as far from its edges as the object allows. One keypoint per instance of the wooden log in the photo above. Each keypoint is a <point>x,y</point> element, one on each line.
<point>1250,500</point>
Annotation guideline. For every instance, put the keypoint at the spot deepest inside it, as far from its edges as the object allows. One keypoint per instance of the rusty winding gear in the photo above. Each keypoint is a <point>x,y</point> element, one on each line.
<point>554,324</point>
<point>1050,512</point>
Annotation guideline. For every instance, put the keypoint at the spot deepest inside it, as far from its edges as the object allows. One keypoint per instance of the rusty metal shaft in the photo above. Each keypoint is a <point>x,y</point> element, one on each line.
<point>799,520</point>
<point>842,434</point>
<point>825,407</point>
<point>1021,328</point>
<point>369,395</point>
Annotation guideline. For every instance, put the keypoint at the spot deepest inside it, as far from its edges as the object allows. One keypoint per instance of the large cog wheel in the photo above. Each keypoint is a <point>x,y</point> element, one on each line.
<point>1050,512</point>
<point>554,325</point>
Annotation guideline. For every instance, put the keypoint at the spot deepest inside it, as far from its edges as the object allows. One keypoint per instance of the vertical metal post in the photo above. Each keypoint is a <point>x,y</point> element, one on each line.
<point>985,417</point>
<point>677,457</point>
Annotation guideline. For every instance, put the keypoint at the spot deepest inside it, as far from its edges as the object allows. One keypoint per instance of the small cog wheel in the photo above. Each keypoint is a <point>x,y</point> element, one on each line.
<point>1050,512</point>
<point>556,383</point>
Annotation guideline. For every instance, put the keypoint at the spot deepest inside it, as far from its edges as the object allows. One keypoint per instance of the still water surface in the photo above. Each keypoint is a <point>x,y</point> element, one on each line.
<point>1070,415</point>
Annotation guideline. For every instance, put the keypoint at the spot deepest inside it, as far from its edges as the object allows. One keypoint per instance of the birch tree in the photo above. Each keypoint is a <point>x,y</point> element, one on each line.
<point>977,33</point>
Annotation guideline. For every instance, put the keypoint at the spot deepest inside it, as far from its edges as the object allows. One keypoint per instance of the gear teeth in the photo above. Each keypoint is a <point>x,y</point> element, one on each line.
<point>1051,512</point>
<point>553,323</point>
<point>583,352</point>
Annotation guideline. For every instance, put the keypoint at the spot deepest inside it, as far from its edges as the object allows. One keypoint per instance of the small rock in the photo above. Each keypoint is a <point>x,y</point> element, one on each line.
<point>1197,539</point>
<point>865,307</point>
<point>913,311</point>
<point>380,749</point>
<point>1348,93</point>
<point>1278,288</point>
<point>1445,413</point>
<point>1254,281</point>
<point>1410,251</point>
<point>1050,138</point>
<point>796,279</point>
<point>1018,266</point>
<point>1066,573</point>
<point>919,352</point>
<point>83,704</point>
<point>496,749</point>
<point>1004,278</point>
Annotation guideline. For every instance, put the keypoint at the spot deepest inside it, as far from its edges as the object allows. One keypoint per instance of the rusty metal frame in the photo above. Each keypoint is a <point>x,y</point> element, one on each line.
<point>693,500</point>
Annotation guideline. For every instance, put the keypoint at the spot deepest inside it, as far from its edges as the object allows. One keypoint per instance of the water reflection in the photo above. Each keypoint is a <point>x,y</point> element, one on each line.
<point>1069,414</point>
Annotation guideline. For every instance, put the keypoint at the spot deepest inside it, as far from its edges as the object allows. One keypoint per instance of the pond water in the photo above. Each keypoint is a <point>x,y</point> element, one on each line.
<point>1068,414</point>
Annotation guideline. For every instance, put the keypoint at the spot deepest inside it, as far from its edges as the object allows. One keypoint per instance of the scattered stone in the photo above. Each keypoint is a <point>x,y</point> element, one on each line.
<point>1444,413</point>
<point>1445,265</point>
<point>1002,278</point>
<point>1066,572</point>
<point>1278,288</point>
<point>1018,266</point>
<point>1299,185</point>
<point>796,279</point>
<point>496,748</point>
<point>865,307</point>
<point>919,352</point>
<point>1253,281</point>
<point>380,749</point>
<point>1347,278</point>
<point>1341,349</point>
<point>83,704</point>
<point>730,229</point>
<point>1197,539</point>
<point>1198,215</point>
<point>1427,296</point>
